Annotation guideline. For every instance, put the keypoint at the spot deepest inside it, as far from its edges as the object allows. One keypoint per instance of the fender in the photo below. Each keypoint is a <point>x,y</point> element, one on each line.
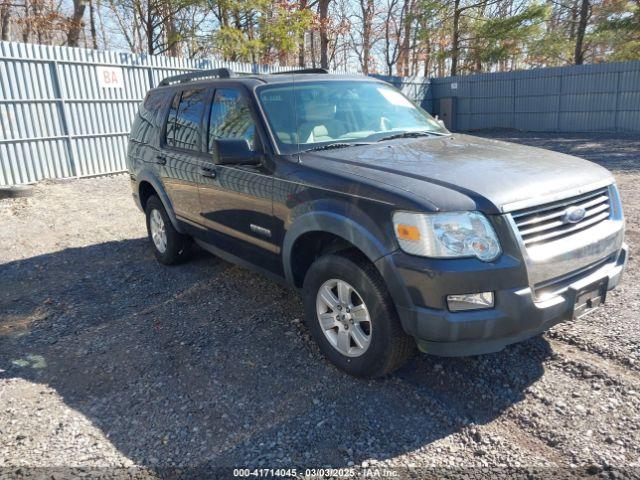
<point>147,175</point>
<point>336,224</point>
<point>356,234</point>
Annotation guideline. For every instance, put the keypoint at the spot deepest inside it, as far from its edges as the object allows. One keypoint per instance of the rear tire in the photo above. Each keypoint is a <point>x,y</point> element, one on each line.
<point>388,347</point>
<point>169,246</point>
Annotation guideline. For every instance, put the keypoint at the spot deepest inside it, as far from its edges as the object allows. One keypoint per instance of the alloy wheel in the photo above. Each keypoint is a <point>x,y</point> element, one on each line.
<point>344,317</point>
<point>158,230</point>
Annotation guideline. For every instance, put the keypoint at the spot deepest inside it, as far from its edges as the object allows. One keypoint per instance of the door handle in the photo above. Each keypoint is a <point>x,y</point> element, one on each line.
<point>209,172</point>
<point>161,160</point>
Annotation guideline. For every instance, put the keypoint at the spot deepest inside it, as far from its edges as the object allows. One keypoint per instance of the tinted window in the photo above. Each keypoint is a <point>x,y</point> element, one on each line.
<point>183,122</point>
<point>230,118</point>
<point>148,119</point>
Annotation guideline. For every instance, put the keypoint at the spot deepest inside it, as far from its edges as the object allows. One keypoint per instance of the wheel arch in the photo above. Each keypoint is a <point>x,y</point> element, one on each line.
<point>149,184</point>
<point>332,226</point>
<point>353,233</point>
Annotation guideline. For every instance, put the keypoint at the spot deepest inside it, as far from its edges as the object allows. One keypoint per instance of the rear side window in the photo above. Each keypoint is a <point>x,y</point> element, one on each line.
<point>148,120</point>
<point>230,118</point>
<point>183,122</point>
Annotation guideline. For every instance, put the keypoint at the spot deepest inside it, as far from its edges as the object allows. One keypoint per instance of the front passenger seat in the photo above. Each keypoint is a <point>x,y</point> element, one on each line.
<point>319,123</point>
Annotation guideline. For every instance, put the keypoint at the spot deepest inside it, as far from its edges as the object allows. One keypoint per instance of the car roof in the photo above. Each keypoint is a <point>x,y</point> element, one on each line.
<point>256,80</point>
<point>286,78</point>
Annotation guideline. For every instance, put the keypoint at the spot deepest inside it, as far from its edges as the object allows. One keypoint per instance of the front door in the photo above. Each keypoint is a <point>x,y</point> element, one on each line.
<point>236,200</point>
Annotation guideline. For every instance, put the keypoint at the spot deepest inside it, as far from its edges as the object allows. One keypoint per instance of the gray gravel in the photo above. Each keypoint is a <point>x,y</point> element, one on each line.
<point>113,365</point>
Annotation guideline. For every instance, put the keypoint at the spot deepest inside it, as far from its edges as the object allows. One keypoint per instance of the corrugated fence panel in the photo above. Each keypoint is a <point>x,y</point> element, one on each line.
<point>58,119</point>
<point>32,144</point>
<point>603,97</point>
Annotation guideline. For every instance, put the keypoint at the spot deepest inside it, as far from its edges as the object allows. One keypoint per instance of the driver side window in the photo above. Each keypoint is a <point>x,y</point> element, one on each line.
<point>230,118</point>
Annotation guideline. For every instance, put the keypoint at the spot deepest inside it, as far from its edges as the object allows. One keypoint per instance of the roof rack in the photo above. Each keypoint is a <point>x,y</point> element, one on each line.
<point>303,70</point>
<point>188,77</point>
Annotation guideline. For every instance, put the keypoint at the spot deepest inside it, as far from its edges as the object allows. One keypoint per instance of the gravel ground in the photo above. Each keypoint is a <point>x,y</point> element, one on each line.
<point>113,365</point>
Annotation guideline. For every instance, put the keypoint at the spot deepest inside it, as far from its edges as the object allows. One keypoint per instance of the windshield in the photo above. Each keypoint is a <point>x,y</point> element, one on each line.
<point>305,115</point>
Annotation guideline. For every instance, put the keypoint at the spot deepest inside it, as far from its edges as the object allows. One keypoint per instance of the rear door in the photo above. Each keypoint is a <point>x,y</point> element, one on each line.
<point>182,151</point>
<point>236,200</point>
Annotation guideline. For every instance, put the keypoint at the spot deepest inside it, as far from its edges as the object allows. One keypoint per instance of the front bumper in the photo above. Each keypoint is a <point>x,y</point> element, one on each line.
<point>517,314</point>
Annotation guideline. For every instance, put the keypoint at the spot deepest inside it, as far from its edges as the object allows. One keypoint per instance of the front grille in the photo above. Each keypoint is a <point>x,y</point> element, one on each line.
<point>546,223</point>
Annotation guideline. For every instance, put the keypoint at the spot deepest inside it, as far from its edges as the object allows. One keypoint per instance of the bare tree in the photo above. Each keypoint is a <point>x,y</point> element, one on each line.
<point>583,20</point>
<point>323,12</point>
<point>405,50</point>
<point>455,36</point>
<point>301,57</point>
<point>150,26</point>
<point>403,37</point>
<point>392,33</point>
<point>5,20</point>
<point>341,48</point>
<point>92,25</point>
<point>76,24</point>
<point>364,43</point>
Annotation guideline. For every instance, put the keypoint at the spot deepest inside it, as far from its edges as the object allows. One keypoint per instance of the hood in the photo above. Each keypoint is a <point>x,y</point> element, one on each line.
<point>497,176</point>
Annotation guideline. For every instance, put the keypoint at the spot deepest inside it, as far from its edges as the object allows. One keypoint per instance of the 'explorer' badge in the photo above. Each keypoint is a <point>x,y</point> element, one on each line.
<point>574,214</point>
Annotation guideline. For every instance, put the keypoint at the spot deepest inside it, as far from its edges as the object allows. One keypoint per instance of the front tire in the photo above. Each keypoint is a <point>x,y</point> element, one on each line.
<point>352,317</point>
<point>168,245</point>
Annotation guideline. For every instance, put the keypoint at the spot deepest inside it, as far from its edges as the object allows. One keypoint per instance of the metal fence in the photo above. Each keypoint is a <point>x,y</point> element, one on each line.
<point>603,97</point>
<point>66,112</point>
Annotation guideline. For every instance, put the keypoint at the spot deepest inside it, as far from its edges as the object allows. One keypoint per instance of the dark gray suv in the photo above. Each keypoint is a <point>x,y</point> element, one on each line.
<point>395,230</point>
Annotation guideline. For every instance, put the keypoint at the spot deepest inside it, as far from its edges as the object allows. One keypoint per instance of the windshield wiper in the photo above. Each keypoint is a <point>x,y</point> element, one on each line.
<point>331,146</point>
<point>410,135</point>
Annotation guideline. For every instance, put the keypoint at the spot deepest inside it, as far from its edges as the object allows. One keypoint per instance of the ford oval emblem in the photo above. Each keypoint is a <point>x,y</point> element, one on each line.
<point>574,214</point>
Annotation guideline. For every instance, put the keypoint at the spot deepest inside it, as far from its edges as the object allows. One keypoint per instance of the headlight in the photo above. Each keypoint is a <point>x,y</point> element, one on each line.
<point>446,235</point>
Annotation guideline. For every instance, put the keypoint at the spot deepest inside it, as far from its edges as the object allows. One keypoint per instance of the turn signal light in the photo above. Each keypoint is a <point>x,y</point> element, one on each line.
<point>408,232</point>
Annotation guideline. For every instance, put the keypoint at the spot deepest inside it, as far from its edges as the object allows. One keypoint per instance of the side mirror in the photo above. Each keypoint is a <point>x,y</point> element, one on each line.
<point>235,151</point>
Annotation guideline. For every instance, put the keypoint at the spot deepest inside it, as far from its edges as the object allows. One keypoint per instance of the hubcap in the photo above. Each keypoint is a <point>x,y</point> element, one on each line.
<point>343,317</point>
<point>158,232</point>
